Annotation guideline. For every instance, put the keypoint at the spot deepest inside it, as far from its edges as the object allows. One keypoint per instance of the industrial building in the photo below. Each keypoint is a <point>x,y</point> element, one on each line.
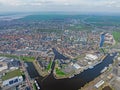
<point>3,66</point>
<point>13,81</point>
<point>76,66</point>
<point>91,57</point>
<point>100,83</point>
<point>13,64</point>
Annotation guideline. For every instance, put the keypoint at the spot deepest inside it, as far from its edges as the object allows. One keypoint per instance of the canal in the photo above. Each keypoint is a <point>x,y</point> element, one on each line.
<point>31,70</point>
<point>102,37</point>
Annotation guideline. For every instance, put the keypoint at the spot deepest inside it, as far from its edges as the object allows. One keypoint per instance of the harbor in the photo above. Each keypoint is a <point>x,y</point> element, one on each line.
<point>77,81</point>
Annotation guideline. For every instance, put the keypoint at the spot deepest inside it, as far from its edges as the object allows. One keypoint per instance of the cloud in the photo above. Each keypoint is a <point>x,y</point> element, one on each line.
<point>19,2</point>
<point>84,5</point>
<point>61,2</point>
<point>10,2</point>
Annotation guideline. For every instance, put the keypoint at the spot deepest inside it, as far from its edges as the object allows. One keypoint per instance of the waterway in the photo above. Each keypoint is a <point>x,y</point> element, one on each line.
<point>31,70</point>
<point>76,82</point>
<point>102,37</point>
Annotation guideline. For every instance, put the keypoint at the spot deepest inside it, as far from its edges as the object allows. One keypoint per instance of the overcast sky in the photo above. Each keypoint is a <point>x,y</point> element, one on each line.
<point>60,5</point>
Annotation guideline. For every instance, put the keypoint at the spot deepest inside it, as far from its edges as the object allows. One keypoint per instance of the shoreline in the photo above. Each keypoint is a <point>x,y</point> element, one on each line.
<point>71,76</point>
<point>38,68</point>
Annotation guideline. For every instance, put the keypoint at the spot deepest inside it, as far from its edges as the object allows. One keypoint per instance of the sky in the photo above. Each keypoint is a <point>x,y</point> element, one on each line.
<point>110,6</point>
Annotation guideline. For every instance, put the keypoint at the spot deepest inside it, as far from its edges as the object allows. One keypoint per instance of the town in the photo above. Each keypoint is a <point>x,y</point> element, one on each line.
<point>28,53</point>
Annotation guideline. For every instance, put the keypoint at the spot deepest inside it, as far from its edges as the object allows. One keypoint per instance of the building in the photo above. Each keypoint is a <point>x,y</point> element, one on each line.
<point>3,66</point>
<point>118,71</point>
<point>118,58</point>
<point>13,64</point>
<point>109,38</point>
<point>13,81</point>
<point>2,58</point>
<point>76,66</point>
<point>91,57</point>
<point>100,83</point>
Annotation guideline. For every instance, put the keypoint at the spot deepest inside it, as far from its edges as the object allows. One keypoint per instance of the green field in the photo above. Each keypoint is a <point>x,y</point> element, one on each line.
<point>34,87</point>
<point>49,65</point>
<point>12,74</point>
<point>80,27</point>
<point>59,72</point>
<point>116,36</point>
<point>50,16</point>
<point>24,58</point>
<point>49,30</point>
<point>9,56</point>
<point>27,58</point>
<point>104,20</point>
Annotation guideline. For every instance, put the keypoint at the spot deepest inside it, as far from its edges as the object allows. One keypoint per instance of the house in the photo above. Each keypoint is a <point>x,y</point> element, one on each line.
<point>3,66</point>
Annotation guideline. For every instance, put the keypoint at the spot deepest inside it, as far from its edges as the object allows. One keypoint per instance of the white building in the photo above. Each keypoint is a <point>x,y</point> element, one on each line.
<point>109,38</point>
<point>2,59</point>
<point>76,66</point>
<point>3,66</point>
<point>91,57</point>
<point>13,81</point>
<point>100,83</point>
<point>119,58</point>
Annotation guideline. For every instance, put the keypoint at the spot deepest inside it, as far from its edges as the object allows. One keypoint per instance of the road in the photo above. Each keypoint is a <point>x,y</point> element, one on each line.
<point>26,75</point>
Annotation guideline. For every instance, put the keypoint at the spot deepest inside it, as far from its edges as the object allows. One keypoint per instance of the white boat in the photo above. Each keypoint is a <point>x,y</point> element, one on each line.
<point>111,54</point>
<point>71,76</point>
<point>90,67</point>
<point>38,87</point>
